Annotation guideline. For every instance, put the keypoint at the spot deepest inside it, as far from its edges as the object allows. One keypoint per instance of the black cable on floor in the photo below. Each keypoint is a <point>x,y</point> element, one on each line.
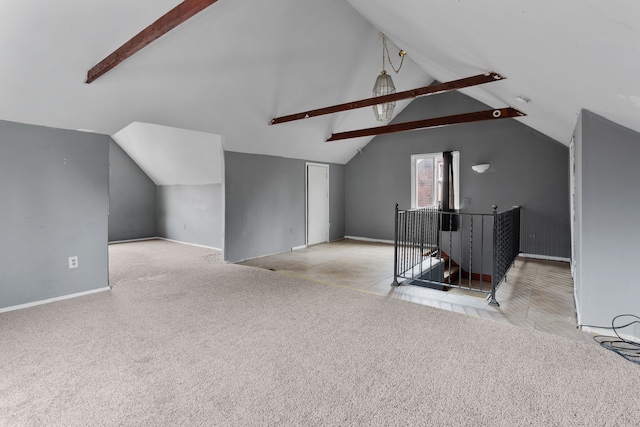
<point>626,348</point>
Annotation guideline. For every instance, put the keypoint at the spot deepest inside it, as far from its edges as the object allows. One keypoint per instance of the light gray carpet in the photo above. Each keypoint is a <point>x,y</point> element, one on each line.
<point>183,339</point>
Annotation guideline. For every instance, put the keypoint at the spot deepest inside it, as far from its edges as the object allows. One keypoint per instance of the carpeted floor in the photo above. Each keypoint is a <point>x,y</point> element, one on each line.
<point>183,339</point>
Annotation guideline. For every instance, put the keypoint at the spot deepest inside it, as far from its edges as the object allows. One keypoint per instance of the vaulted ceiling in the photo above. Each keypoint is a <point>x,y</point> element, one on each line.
<point>234,66</point>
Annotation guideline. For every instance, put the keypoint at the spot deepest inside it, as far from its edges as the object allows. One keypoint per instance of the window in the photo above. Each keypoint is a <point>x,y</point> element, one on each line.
<point>427,171</point>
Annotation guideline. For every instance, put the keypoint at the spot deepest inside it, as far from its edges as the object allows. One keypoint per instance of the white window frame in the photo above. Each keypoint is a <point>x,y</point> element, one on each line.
<point>456,176</point>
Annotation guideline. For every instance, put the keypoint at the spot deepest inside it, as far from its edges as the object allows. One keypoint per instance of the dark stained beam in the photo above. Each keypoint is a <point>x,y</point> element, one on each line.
<point>502,113</point>
<point>407,94</point>
<point>166,23</point>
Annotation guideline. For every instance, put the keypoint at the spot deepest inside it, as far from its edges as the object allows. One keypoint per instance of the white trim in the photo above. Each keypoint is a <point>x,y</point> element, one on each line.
<point>414,159</point>
<point>164,238</point>
<point>223,201</point>
<point>142,239</point>
<point>256,257</point>
<point>366,239</point>
<point>577,305</point>
<point>295,248</point>
<point>306,201</point>
<point>609,333</point>
<point>545,257</point>
<point>455,158</point>
<point>190,244</point>
<point>572,202</point>
<point>47,301</point>
<point>455,155</point>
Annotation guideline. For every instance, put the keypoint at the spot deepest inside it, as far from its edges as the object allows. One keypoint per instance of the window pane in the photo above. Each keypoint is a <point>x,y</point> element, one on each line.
<point>424,183</point>
<point>427,178</point>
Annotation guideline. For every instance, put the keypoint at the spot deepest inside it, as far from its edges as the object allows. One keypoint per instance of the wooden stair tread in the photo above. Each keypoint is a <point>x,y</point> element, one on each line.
<point>451,275</point>
<point>451,269</point>
<point>430,251</point>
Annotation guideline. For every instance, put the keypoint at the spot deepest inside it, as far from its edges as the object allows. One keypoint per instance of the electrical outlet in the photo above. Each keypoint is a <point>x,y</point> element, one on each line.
<point>73,261</point>
<point>532,235</point>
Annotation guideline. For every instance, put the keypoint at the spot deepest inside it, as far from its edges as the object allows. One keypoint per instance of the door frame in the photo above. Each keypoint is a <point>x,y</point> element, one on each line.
<point>306,199</point>
<point>572,203</point>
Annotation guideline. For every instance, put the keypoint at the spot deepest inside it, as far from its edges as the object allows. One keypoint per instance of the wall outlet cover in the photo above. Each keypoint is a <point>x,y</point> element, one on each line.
<point>73,261</point>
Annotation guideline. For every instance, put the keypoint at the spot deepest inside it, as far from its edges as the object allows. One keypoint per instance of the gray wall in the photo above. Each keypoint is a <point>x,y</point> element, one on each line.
<point>608,206</point>
<point>265,204</point>
<point>527,169</point>
<point>54,192</point>
<point>336,202</point>
<point>191,213</point>
<point>140,209</point>
<point>132,198</point>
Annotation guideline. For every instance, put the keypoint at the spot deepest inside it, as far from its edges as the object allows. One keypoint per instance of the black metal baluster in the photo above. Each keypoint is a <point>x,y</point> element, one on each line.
<point>470,251</point>
<point>450,244</point>
<point>419,239</point>
<point>395,249</point>
<point>459,217</point>
<point>493,301</point>
<point>481,253</point>
<point>404,233</point>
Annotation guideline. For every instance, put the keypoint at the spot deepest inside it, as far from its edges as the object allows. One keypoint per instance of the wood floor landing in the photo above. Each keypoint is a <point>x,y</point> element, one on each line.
<point>536,295</point>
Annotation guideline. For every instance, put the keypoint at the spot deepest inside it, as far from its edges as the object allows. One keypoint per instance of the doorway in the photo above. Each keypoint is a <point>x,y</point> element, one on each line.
<point>317,206</point>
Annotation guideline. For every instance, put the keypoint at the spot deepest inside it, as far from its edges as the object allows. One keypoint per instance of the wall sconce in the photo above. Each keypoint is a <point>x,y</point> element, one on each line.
<point>481,168</point>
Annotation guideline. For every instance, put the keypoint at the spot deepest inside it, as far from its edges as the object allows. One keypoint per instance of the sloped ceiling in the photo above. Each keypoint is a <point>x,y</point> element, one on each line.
<point>171,156</point>
<point>228,71</point>
<point>562,55</point>
<point>237,64</point>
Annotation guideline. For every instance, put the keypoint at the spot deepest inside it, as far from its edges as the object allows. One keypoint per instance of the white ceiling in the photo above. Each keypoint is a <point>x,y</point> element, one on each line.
<point>563,55</point>
<point>171,156</point>
<point>237,64</point>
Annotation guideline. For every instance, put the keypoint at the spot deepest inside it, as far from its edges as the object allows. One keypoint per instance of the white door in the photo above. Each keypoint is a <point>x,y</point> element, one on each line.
<point>317,203</point>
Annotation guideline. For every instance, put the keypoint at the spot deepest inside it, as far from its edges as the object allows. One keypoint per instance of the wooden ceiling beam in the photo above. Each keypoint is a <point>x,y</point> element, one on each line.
<point>407,94</point>
<point>166,23</point>
<point>502,113</point>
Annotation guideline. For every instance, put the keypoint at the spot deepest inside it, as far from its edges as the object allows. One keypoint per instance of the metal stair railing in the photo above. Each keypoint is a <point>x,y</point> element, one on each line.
<point>425,251</point>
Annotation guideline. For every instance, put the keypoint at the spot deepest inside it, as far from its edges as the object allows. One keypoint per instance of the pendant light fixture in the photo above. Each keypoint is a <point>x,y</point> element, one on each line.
<point>384,85</point>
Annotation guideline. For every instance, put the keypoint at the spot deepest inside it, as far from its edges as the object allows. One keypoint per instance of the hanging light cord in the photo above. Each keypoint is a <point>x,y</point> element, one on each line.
<point>402,54</point>
<point>626,348</point>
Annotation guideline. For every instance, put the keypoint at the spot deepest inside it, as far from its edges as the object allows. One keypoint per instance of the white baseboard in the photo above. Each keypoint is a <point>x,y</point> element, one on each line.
<point>609,333</point>
<point>164,238</point>
<point>366,239</point>
<point>295,248</point>
<point>577,305</point>
<point>47,301</point>
<point>190,244</point>
<point>545,257</point>
<point>255,257</point>
<point>142,239</point>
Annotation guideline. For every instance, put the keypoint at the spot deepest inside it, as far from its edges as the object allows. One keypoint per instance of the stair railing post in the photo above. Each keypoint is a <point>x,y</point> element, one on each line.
<point>450,244</point>
<point>470,250</point>
<point>494,277</point>
<point>395,251</point>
